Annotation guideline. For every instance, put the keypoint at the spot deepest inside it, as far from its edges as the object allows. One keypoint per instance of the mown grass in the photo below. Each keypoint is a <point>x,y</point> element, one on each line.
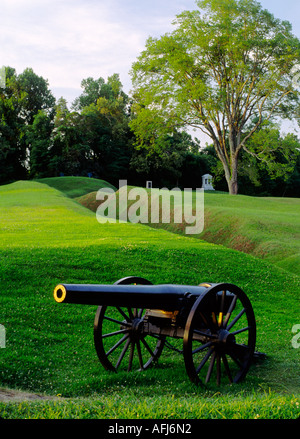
<point>46,238</point>
<point>266,227</point>
<point>131,405</point>
<point>75,186</point>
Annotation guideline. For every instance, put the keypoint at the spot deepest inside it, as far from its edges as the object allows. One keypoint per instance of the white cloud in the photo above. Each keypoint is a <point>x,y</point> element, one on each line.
<point>66,41</point>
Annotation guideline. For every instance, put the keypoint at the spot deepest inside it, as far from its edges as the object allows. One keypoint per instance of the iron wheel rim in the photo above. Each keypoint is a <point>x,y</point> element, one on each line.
<point>124,342</point>
<point>223,318</point>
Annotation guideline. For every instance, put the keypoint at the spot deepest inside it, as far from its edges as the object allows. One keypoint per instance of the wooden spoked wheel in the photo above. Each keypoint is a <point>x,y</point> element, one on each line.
<point>119,340</point>
<point>220,335</point>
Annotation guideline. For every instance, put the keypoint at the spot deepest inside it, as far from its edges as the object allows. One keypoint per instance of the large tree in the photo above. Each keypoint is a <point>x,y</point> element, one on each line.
<point>39,138</point>
<point>226,69</point>
<point>22,97</point>
<point>95,137</point>
<point>104,114</point>
<point>38,95</point>
<point>12,145</point>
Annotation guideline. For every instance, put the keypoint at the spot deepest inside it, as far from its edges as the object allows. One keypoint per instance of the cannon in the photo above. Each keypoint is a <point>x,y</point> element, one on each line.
<point>212,325</point>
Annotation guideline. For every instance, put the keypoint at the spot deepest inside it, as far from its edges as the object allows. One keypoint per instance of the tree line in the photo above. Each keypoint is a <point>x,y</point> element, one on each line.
<point>41,137</point>
<point>227,69</point>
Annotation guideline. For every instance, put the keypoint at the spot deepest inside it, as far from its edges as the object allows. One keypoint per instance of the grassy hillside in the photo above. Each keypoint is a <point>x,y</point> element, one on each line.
<point>46,238</point>
<point>75,186</point>
<point>268,228</point>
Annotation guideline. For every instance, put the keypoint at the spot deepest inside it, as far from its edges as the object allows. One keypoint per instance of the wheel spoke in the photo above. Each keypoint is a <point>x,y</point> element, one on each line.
<point>138,347</point>
<point>204,334</point>
<point>130,313</point>
<point>202,347</point>
<point>236,319</point>
<point>241,330</point>
<point>123,353</point>
<point>127,326</point>
<point>223,320</point>
<point>204,360</point>
<point>229,312</point>
<point>117,321</point>
<point>117,344</point>
<point>147,347</point>
<point>111,334</point>
<point>123,314</point>
<point>211,366</point>
<point>131,356</point>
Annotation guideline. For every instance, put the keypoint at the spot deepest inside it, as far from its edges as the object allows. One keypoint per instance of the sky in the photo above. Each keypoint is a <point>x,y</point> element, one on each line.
<point>66,41</point>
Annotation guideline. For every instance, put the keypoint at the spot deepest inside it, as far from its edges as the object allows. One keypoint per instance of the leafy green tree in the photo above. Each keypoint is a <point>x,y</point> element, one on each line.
<point>68,149</point>
<point>20,101</point>
<point>97,138</point>
<point>167,163</point>
<point>12,145</point>
<point>292,186</point>
<point>225,65</point>
<point>94,137</point>
<point>275,152</point>
<point>93,89</point>
<point>273,173</point>
<point>91,93</point>
<point>37,95</point>
<point>39,137</point>
<point>104,125</point>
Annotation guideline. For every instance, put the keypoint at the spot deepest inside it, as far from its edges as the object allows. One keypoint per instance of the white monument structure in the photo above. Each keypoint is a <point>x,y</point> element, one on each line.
<point>207,182</point>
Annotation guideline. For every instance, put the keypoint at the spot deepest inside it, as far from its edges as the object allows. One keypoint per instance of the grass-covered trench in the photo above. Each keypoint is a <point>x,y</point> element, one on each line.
<point>266,227</point>
<point>47,238</point>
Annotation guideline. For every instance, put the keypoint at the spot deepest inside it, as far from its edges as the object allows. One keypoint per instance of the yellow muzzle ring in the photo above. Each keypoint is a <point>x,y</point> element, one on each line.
<point>60,293</point>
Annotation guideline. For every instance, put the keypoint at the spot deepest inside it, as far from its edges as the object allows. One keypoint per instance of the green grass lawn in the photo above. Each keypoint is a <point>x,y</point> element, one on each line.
<point>75,186</point>
<point>47,238</point>
<point>268,228</point>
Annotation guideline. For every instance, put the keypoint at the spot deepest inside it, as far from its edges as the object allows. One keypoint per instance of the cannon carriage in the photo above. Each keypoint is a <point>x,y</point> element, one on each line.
<point>135,320</point>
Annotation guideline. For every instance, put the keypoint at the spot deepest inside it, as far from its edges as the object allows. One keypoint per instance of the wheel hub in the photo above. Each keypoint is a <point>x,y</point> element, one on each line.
<point>224,340</point>
<point>136,324</point>
<point>136,328</point>
<point>225,336</point>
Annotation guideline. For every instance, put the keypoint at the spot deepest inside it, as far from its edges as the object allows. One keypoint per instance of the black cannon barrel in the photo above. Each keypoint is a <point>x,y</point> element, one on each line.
<point>166,296</point>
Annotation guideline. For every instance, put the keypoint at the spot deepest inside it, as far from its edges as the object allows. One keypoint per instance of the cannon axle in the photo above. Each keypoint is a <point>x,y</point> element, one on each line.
<point>134,318</point>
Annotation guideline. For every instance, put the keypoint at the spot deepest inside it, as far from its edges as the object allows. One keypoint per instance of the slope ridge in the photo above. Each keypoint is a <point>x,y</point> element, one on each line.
<point>268,228</point>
